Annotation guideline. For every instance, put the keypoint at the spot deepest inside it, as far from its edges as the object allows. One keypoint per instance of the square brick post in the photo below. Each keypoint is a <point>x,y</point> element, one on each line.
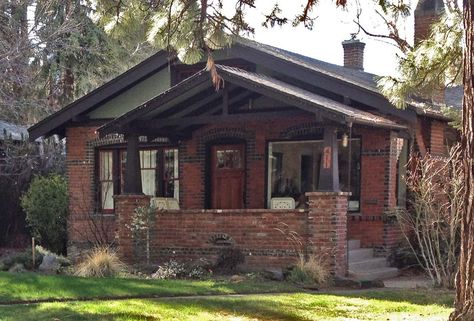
<point>327,227</point>
<point>124,207</point>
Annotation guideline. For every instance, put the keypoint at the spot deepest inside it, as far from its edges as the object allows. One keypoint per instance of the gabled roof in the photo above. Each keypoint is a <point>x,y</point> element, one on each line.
<point>359,78</point>
<point>362,79</point>
<point>357,85</point>
<point>265,85</point>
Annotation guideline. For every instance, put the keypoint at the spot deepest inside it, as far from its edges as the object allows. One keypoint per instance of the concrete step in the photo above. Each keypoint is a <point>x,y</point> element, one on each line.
<point>368,264</point>
<point>353,244</point>
<point>374,274</point>
<point>360,254</point>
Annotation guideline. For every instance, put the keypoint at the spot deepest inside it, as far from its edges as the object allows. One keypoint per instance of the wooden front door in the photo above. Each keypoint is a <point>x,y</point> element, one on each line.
<point>227,176</point>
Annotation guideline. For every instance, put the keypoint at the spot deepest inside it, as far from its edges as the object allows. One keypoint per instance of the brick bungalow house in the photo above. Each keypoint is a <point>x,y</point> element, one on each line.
<point>287,142</point>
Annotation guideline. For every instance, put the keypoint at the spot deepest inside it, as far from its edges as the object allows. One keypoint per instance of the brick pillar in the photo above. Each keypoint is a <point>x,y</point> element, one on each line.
<point>327,225</point>
<point>80,172</point>
<point>124,207</point>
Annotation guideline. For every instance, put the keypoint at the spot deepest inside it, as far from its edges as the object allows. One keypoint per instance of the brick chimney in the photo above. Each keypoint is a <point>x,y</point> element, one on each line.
<point>353,53</point>
<point>426,12</point>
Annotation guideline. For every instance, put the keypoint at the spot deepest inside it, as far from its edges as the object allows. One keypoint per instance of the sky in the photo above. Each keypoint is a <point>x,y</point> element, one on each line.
<point>332,26</point>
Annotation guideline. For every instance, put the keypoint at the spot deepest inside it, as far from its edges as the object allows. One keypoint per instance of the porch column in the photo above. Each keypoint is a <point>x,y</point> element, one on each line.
<point>327,228</point>
<point>133,179</point>
<point>329,168</point>
<point>125,206</point>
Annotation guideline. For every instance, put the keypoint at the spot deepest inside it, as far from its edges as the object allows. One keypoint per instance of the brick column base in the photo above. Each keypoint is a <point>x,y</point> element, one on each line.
<point>327,227</point>
<point>124,207</point>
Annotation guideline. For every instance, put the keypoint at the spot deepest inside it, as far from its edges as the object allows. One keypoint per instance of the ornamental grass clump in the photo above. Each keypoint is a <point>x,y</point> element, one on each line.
<point>312,271</point>
<point>309,269</point>
<point>100,262</point>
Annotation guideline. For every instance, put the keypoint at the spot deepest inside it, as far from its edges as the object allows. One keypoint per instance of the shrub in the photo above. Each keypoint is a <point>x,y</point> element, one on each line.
<point>176,270</point>
<point>23,258</point>
<point>228,260</point>
<point>46,207</point>
<point>170,270</point>
<point>431,225</point>
<point>100,262</point>
<point>313,271</point>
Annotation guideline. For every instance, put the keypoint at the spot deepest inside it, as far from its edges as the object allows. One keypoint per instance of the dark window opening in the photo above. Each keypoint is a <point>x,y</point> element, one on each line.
<point>293,170</point>
<point>158,168</point>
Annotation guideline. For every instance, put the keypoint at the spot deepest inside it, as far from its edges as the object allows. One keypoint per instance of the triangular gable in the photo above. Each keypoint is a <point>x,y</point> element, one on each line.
<point>165,111</point>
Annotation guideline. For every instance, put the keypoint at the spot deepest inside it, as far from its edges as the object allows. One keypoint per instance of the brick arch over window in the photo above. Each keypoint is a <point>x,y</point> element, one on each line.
<point>306,130</point>
<point>222,134</point>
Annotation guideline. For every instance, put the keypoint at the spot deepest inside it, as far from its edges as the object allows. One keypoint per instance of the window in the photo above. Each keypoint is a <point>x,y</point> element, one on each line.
<point>170,179</point>
<point>148,167</point>
<point>106,184</point>
<point>402,159</point>
<point>293,169</point>
<point>159,173</point>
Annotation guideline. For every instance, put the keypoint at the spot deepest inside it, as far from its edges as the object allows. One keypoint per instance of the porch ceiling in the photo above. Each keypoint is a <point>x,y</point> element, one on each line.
<point>194,102</point>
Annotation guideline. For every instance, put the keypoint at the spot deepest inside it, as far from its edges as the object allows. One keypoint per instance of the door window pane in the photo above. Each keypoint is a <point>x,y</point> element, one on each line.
<point>229,158</point>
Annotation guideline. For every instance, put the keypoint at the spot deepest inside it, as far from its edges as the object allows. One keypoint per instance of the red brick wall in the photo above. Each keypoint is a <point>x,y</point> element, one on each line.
<point>188,234</point>
<point>378,170</point>
<point>378,189</point>
<point>80,161</point>
<point>255,135</point>
<point>437,140</point>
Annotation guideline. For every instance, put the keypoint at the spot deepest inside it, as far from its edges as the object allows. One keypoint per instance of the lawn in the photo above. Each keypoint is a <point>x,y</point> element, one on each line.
<point>371,305</point>
<point>159,302</point>
<point>31,287</point>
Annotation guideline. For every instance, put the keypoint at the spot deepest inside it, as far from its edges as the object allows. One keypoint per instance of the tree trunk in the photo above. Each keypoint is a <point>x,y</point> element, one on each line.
<point>464,306</point>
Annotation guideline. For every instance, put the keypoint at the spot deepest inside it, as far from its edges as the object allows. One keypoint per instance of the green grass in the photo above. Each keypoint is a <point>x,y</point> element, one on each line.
<point>30,286</point>
<point>375,305</point>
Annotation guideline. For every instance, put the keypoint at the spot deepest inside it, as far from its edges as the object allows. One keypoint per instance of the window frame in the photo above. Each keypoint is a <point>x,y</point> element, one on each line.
<point>99,180</point>
<point>309,139</point>
<point>118,170</point>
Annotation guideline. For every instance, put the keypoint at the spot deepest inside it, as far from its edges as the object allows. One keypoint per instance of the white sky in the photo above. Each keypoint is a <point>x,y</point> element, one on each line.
<point>332,26</point>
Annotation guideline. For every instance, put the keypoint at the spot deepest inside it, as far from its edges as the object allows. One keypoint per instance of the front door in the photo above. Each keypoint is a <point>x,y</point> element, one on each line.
<point>227,176</point>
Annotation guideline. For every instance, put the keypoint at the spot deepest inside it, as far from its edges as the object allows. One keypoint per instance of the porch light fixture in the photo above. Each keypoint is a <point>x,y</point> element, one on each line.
<point>345,140</point>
